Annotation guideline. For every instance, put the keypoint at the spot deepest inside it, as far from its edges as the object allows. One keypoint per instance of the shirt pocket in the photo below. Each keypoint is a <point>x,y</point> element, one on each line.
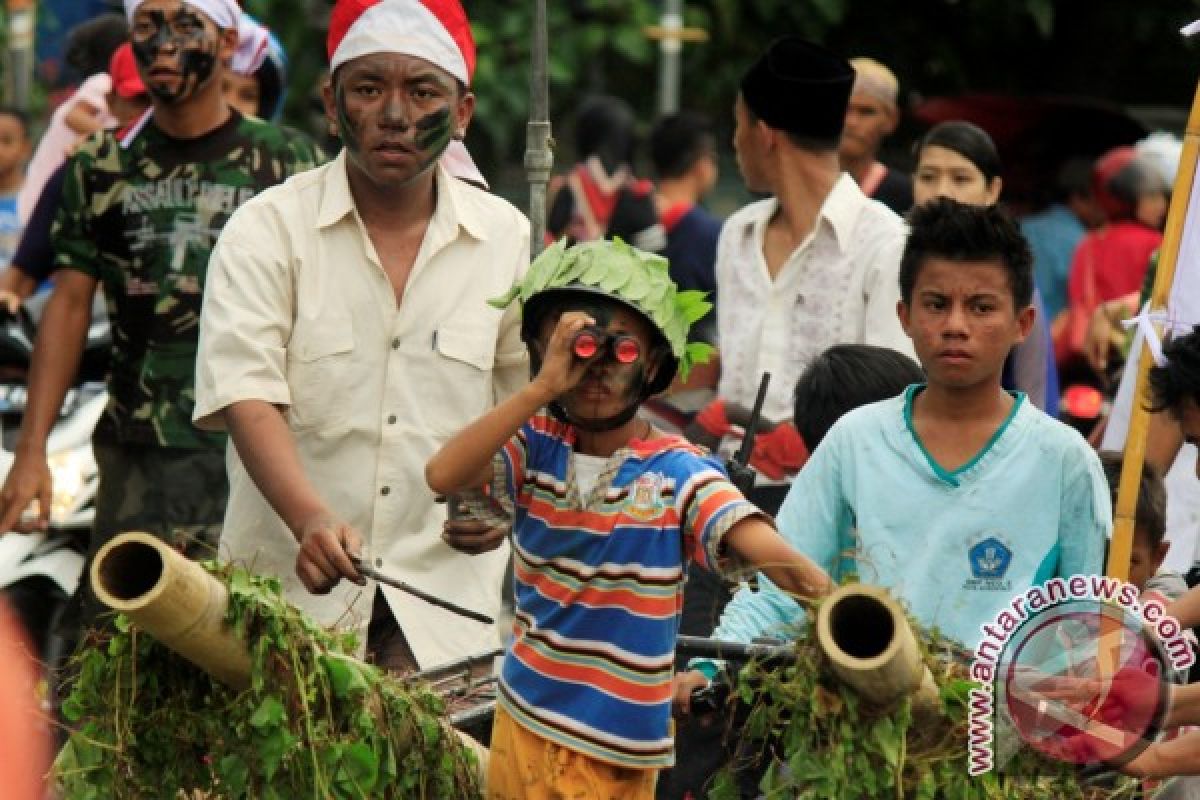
<point>320,367</point>
<point>462,360</point>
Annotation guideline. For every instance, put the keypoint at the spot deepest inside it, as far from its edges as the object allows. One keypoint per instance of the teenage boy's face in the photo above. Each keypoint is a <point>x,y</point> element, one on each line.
<point>608,387</point>
<point>396,114</point>
<point>178,49</point>
<point>962,321</point>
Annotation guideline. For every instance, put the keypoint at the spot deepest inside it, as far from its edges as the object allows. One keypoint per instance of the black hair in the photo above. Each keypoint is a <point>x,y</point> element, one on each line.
<point>956,231</point>
<point>809,144</point>
<point>22,117</point>
<point>90,44</point>
<point>969,141</point>
<point>1179,376</point>
<point>1074,178</point>
<point>678,141</point>
<point>845,377</point>
<point>604,127</point>
<point>1151,513</point>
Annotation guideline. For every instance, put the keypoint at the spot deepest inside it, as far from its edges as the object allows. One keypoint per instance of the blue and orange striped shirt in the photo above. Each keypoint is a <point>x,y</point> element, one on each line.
<point>599,586</point>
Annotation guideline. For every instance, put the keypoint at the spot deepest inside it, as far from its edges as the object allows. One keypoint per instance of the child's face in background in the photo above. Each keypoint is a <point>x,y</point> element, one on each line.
<point>963,321</point>
<point>1145,560</point>
<point>14,144</point>
<point>608,387</point>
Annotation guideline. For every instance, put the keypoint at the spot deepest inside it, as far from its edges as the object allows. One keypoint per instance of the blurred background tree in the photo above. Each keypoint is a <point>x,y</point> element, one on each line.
<point>1122,52</point>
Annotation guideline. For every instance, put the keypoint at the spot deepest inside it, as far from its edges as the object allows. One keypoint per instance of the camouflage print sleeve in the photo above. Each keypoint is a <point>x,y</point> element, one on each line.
<point>74,246</point>
<point>302,152</point>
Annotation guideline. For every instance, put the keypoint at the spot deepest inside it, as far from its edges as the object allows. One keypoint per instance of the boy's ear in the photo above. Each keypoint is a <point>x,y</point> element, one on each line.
<point>1025,319</point>
<point>1160,554</point>
<point>902,313</point>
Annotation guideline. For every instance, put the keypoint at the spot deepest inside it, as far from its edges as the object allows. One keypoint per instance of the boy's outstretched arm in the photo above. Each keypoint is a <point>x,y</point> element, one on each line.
<point>465,462</point>
<point>759,544</point>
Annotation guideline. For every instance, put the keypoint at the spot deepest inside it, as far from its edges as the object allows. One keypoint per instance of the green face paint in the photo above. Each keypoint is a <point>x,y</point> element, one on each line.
<point>434,131</point>
<point>347,130</point>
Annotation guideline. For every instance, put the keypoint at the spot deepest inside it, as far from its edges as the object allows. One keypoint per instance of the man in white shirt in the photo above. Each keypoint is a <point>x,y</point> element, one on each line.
<point>346,335</point>
<point>814,265</point>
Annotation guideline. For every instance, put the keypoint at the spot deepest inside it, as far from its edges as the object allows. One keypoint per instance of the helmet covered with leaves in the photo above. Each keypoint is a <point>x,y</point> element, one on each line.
<point>634,278</point>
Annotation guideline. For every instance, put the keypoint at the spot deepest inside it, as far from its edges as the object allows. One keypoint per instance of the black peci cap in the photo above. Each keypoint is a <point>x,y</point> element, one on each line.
<point>801,88</point>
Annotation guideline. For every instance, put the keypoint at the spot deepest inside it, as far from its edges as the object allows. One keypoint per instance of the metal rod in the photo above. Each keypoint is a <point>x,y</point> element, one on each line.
<point>373,574</point>
<point>458,666</point>
<point>699,647</point>
<point>539,142</point>
<point>671,45</point>
<point>743,455</point>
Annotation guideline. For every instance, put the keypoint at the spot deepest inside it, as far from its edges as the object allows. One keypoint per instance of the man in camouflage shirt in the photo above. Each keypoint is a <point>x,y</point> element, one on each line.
<point>140,214</point>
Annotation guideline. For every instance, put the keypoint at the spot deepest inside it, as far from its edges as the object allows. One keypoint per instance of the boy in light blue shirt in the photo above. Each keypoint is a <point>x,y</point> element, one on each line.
<point>957,495</point>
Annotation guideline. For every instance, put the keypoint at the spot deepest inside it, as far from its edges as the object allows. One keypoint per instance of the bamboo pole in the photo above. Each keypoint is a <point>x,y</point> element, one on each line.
<point>1139,418</point>
<point>872,649</point>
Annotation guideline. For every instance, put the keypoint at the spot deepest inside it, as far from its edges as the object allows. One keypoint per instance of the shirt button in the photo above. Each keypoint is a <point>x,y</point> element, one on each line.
<point>392,419</point>
<point>799,299</point>
<point>385,491</point>
<point>396,343</point>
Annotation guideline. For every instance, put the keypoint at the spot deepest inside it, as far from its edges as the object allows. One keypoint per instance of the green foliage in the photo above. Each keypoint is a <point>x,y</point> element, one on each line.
<point>832,745</point>
<point>635,276</point>
<point>315,722</point>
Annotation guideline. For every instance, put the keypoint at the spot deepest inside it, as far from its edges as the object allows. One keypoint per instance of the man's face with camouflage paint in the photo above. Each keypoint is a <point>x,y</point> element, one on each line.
<point>396,114</point>
<point>178,49</point>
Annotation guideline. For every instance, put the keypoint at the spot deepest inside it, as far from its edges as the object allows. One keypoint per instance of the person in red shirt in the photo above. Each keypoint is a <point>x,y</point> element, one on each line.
<point>1111,261</point>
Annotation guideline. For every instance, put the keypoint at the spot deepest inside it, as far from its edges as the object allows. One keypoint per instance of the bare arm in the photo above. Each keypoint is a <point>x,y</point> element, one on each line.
<point>269,454</point>
<point>465,462</point>
<point>1187,611</point>
<point>1167,759</point>
<point>56,355</point>
<point>761,545</point>
<point>1163,441</point>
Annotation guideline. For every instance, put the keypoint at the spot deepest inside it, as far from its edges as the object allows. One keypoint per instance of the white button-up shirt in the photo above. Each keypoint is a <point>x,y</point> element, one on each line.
<point>839,286</point>
<point>299,312</point>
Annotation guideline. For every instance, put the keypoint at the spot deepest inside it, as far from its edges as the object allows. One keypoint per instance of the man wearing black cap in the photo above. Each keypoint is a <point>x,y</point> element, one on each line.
<point>812,266</point>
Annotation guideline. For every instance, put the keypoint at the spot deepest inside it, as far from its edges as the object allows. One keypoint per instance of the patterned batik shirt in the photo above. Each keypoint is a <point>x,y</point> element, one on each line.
<point>599,586</point>
<point>142,216</point>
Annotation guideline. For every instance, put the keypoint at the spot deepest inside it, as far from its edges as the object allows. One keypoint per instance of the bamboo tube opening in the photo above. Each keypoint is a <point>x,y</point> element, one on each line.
<point>871,648</point>
<point>130,570</point>
<point>862,627</point>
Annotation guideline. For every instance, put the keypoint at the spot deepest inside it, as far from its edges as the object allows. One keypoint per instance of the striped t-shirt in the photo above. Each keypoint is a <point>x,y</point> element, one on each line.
<point>599,586</point>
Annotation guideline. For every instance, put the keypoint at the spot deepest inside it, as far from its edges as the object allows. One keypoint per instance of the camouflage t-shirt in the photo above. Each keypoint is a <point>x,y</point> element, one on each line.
<point>142,217</point>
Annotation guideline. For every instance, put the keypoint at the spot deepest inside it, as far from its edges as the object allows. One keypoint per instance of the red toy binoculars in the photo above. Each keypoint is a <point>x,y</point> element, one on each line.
<point>590,342</point>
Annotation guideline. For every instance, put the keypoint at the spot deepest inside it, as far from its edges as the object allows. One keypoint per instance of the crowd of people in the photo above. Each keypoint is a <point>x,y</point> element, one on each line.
<point>316,355</point>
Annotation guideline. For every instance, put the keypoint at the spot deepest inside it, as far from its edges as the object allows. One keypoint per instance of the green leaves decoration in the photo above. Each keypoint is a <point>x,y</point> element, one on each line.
<point>820,741</point>
<point>639,278</point>
<point>316,722</point>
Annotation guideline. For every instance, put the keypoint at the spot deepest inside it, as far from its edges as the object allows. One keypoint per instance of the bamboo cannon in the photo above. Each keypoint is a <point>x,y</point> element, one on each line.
<point>180,604</point>
<point>174,600</point>
<point>872,649</point>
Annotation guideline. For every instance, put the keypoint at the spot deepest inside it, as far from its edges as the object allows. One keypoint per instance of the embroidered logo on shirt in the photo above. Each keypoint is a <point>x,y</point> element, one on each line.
<point>989,560</point>
<point>645,497</point>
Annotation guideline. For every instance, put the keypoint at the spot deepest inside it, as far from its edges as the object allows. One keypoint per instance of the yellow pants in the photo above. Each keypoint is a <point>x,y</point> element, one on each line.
<point>524,766</point>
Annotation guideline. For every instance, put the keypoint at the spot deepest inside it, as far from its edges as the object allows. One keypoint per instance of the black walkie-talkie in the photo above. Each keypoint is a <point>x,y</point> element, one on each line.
<point>738,467</point>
